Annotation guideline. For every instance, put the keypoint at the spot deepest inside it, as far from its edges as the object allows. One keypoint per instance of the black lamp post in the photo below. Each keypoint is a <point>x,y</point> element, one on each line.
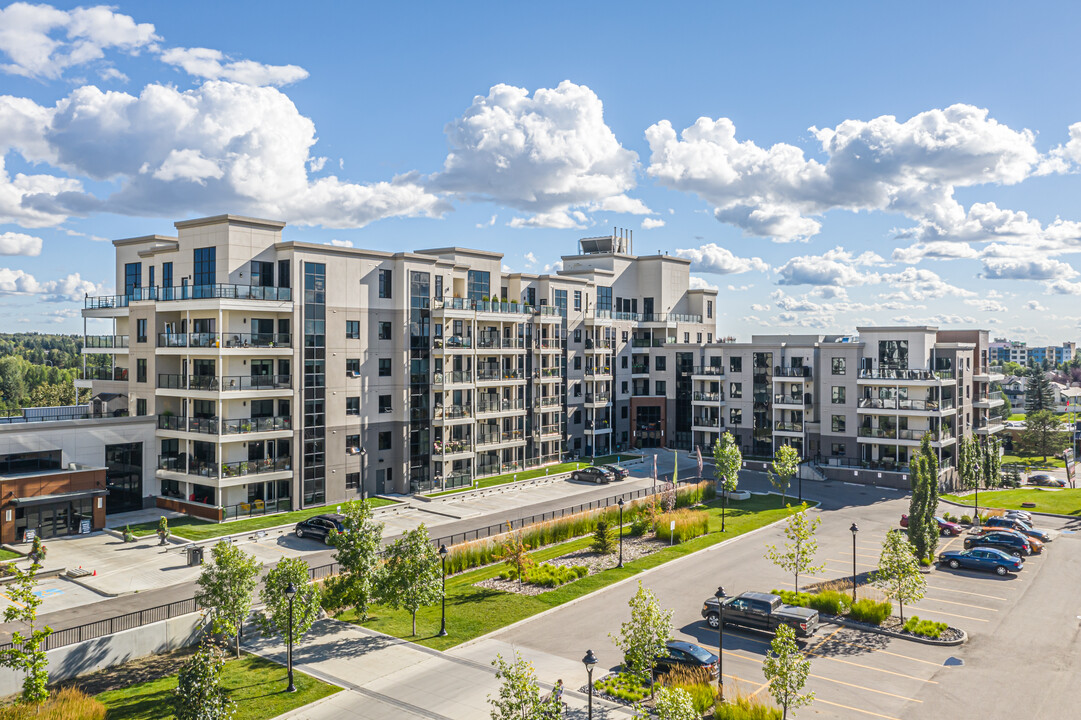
<point>443,616</point>
<point>620,533</point>
<point>363,462</point>
<point>854,530</point>
<point>720,640</point>
<point>590,660</point>
<point>291,591</point>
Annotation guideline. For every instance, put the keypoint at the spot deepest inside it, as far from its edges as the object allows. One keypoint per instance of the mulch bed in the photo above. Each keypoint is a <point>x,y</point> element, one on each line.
<point>152,667</point>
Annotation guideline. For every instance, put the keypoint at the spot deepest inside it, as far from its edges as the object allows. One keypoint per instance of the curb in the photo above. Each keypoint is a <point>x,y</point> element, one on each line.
<point>832,620</point>
<point>1031,512</point>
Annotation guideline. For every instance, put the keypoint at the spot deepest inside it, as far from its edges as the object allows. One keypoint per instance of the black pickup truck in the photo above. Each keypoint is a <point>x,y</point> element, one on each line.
<point>760,611</point>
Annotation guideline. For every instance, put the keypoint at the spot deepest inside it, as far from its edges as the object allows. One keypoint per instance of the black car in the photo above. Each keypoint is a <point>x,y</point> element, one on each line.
<point>685,654</point>
<point>318,527</point>
<point>618,471</point>
<point>1012,543</point>
<point>592,474</point>
<point>1020,525</point>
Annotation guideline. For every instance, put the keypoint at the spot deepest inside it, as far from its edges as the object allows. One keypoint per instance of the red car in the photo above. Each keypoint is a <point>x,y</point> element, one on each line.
<point>944,527</point>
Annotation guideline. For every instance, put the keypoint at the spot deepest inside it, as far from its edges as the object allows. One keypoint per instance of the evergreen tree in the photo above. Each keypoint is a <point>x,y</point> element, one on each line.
<point>918,502</point>
<point>930,525</point>
<point>1038,392</point>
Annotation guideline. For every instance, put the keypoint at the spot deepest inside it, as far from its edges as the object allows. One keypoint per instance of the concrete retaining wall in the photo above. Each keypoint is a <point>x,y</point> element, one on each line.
<point>104,652</point>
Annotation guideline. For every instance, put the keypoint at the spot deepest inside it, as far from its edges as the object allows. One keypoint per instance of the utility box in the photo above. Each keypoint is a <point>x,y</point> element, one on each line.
<point>195,555</point>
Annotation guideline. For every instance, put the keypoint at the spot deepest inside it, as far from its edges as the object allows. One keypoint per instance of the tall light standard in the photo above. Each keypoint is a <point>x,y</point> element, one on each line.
<point>291,591</point>
<point>443,616</point>
<point>620,533</point>
<point>854,530</point>
<point>590,660</point>
<point>363,462</point>
<point>720,640</point>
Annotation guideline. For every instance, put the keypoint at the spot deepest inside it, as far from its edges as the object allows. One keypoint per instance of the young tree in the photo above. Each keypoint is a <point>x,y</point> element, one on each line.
<point>727,461</point>
<point>970,458</point>
<point>1038,393</point>
<point>275,619</point>
<point>604,539</point>
<point>675,704</point>
<point>25,653</point>
<point>786,669</point>
<point>643,637</point>
<point>227,584</point>
<point>992,462</point>
<point>1044,434</point>
<point>514,551</point>
<point>785,467</point>
<point>917,504</point>
<point>519,693</point>
<point>799,552</point>
<point>898,574</point>
<point>358,554</point>
<point>199,694</point>
<point>410,578</point>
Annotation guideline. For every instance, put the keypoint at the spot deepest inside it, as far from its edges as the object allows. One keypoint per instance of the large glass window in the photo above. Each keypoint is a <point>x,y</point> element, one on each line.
<point>838,366</point>
<point>206,266</point>
<point>124,477</point>
<point>385,283</point>
<point>262,273</point>
<point>478,284</point>
<point>838,395</point>
<point>604,299</point>
<point>561,301</point>
<point>167,281</point>
<point>133,277</point>
<point>893,354</point>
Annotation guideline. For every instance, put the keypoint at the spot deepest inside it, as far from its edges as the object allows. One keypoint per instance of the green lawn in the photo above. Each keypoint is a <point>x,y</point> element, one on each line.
<point>195,529</point>
<point>8,555</point>
<point>620,458</point>
<point>1033,461</point>
<point>1060,502</point>
<point>474,611</point>
<point>257,686</point>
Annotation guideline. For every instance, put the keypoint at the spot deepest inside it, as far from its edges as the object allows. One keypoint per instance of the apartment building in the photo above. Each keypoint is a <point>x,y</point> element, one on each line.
<point>1003,351</point>
<point>282,374</point>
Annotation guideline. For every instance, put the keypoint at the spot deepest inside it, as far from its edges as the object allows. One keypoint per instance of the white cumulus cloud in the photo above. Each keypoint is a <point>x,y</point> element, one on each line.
<point>712,258</point>
<point>213,65</point>
<point>13,243</point>
<point>652,223</point>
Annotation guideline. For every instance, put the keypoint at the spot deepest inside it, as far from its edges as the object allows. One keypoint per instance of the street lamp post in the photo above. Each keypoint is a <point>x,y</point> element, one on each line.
<point>363,462</point>
<point>291,591</point>
<point>590,660</point>
<point>443,615</point>
<point>720,641</point>
<point>854,530</point>
<point>620,533</point>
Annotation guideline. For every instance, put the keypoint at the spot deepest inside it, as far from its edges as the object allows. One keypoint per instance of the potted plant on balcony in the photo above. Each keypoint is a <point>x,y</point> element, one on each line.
<point>245,426</point>
<point>163,530</point>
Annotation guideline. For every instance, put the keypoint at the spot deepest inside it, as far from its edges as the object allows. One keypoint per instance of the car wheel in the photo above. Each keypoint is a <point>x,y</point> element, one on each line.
<point>1015,553</point>
<point>576,476</point>
<point>1001,570</point>
<point>300,533</point>
<point>954,564</point>
<point>327,540</point>
<point>713,620</point>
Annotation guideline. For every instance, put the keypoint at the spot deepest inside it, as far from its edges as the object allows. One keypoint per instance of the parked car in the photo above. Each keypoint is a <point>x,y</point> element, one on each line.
<point>760,611</point>
<point>318,527</point>
<point>592,474</point>
<point>944,526</point>
<point>1012,543</point>
<point>1016,523</point>
<point>618,471</point>
<point>685,654</point>
<point>1026,516</point>
<point>981,559</point>
<point>1045,480</point>
<point>1037,546</point>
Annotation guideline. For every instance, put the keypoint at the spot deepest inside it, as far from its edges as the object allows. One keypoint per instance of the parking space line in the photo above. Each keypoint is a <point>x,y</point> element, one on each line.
<point>824,641</point>
<point>965,592</point>
<point>871,667</point>
<point>951,602</point>
<point>963,617</point>
<point>861,687</point>
<point>13,602</point>
<point>888,652</point>
<point>848,563</point>
<point>865,712</point>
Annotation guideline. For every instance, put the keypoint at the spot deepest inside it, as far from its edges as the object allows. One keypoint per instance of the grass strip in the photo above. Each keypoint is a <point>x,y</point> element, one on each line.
<point>535,473</point>
<point>1060,502</point>
<point>256,685</point>
<point>6,555</point>
<point>474,611</point>
<point>1033,461</point>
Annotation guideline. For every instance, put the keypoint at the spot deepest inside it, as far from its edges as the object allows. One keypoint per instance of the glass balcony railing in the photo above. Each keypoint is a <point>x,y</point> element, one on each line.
<point>792,372</point>
<point>244,426</point>
<point>452,377</point>
<point>891,374</point>
<point>452,342</point>
<point>102,373</point>
<point>451,412</point>
<point>715,370</point>
<point>191,292</point>
<point>707,396</point>
<point>98,342</point>
<point>788,426</point>
<point>256,467</point>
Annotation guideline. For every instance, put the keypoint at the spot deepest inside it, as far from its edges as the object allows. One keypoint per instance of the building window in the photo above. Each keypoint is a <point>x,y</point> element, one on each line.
<point>837,449</point>
<point>735,364</point>
<point>384,330</point>
<point>604,299</point>
<point>352,365</point>
<point>838,395</point>
<point>735,416</point>
<point>140,406</point>
<point>283,274</point>
<point>577,390</point>
<point>352,444</point>
<point>385,440</point>
<point>384,404</point>
<point>624,335</point>
<point>352,481</point>
<point>478,285</point>
<point>735,390</point>
<point>623,409</point>
<point>661,387</point>
<point>623,387</point>
<point>838,366</point>
<point>623,362</point>
<point>384,367</point>
<point>140,330</point>
<point>838,423</point>
<point>167,280</point>
<point>709,308</point>
<point>709,337</point>
<point>686,337</point>
<point>577,335</point>
<point>352,329</point>
<point>561,301</point>
<point>577,299</point>
<point>699,338</point>
<point>133,277</point>
<point>578,362</point>
<point>576,418</point>
<point>439,287</point>
<point>893,354</point>
<point>205,268</point>
<point>352,406</point>
<point>140,370</point>
<point>661,362</point>
<point>385,279</point>
<point>262,273</point>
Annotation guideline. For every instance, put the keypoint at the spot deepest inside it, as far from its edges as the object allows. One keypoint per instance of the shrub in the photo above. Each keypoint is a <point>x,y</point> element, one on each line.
<point>639,525</point>
<point>742,707</point>
<point>624,686</point>
<point>697,683</point>
<point>830,602</point>
<point>66,704</point>
<point>791,597</point>
<point>689,524</point>
<point>926,628</point>
<point>869,611</point>
<point>547,575</point>
<point>965,520</point>
<point>604,538</point>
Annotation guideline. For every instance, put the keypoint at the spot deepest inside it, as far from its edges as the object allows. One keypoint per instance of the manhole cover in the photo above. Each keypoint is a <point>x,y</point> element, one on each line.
<point>953,662</point>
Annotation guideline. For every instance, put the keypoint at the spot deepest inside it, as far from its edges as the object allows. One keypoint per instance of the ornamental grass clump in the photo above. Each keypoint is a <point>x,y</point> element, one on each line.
<point>689,524</point>
<point>869,611</point>
<point>66,704</point>
<point>926,628</point>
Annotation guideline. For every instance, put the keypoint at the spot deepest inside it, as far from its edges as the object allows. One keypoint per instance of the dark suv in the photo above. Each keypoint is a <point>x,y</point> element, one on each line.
<point>318,527</point>
<point>592,474</point>
<point>1009,542</point>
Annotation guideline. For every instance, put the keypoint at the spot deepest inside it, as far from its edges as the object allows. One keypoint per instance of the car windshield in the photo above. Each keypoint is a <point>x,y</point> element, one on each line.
<point>939,520</point>
<point>699,653</point>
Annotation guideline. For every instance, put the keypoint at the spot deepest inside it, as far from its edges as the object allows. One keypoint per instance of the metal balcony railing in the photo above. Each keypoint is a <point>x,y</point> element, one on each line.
<point>99,342</point>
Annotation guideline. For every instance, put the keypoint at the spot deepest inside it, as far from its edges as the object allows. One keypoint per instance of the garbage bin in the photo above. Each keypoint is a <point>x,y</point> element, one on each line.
<point>195,555</point>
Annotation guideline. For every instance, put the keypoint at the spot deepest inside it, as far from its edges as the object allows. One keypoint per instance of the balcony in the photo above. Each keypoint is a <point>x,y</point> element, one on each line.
<point>499,376</point>
<point>905,404</point>
<point>708,371</point>
<point>189,340</point>
<point>257,340</point>
<point>599,345</point>
<point>706,422</point>
<point>639,369</point>
<point>669,318</point>
<point>493,439</point>
<point>256,467</point>
<point>491,407</point>
<point>482,306</point>
<point>452,342</point>
<point>548,312</point>
<point>190,292</point>
<point>548,431</point>
<point>989,428</point>
<point>906,436</point>
<point>228,383</point>
<point>245,426</point>
<point>792,400</point>
<point>453,377</point>
<point>105,342</point>
<point>598,398</point>
<point>788,427</point>
<point>706,397</point>
<point>548,344</point>
<point>452,412</point>
<point>651,342</point>
<point>203,426</point>
<point>887,374</point>
<point>544,402</point>
<point>452,447</point>
<point>544,373</point>
<point>116,374</point>
<point>598,428</point>
<point>599,372</point>
<point>188,465</point>
<point>988,400</point>
<point>799,373</point>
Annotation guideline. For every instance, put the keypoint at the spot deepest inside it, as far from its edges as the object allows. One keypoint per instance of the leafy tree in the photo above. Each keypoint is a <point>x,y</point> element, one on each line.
<point>1044,434</point>
<point>970,459</point>
<point>992,462</point>
<point>275,617</point>
<point>786,670</point>
<point>410,578</point>
<point>675,703</point>
<point>25,653</point>
<point>922,527</point>
<point>519,693</point>
<point>643,637</point>
<point>1005,409</point>
<point>785,467</point>
<point>226,587</point>
<point>898,574</point>
<point>12,382</point>
<point>727,461</point>
<point>199,694</point>
<point>514,552</point>
<point>799,552</point>
<point>1013,368</point>
<point>604,539</point>
<point>358,554</point>
<point>1038,392</point>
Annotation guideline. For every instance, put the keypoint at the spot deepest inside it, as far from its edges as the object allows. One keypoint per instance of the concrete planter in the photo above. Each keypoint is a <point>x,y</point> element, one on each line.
<point>738,495</point>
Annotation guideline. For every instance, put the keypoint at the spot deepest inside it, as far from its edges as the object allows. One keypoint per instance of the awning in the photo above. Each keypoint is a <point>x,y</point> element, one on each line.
<point>58,498</point>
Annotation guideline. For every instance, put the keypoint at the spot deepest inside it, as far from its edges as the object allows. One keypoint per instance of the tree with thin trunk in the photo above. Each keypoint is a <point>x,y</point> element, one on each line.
<point>798,554</point>
<point>786,670</point>
<point>727,461</point>
<point>930,525</point>
<point>410,578</point>
<point>275,619</point>
<point>514,552</point>
<point>226,587</point>
<point>785,467</point>
<point>199,694</point>
<point>970,458</point>
<point>519,693</point>
<point>358,548</point>
<point>992,463</point>
<point>25,651</point>
<point>898,574</point>
<point>643,638</point>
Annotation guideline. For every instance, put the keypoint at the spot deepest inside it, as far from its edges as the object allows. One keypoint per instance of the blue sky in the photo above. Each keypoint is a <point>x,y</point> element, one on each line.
<point>824,166</point>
